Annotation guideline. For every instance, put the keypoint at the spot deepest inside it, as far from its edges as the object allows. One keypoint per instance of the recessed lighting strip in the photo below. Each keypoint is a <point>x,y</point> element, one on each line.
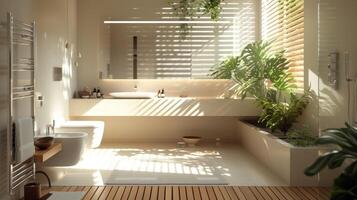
<point>167,22</point>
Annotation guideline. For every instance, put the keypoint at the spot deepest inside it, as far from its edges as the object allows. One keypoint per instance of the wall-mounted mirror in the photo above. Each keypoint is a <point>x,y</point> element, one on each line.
<point>166,49</point>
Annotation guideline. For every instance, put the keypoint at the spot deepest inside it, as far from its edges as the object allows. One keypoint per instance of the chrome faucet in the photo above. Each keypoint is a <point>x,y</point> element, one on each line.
<point>50,128</point>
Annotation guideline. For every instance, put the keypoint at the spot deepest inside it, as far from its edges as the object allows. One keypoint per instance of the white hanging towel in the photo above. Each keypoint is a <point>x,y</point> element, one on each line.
<point>24,142</point>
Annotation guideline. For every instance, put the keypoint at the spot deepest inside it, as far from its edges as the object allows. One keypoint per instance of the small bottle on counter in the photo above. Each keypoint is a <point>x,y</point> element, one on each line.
<point>99,94</point>
<point>94,93</point>
<point>159,94</point>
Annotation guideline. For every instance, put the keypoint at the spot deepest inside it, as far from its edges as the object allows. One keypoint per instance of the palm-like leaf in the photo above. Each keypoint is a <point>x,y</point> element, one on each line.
<point>225,69</point>
<point>345,140</point>
<point>257,64</point>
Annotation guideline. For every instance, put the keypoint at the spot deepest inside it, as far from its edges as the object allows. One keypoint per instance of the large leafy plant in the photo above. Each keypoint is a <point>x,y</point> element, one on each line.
<point>262,73</point>
<point>257,71</point>
<point>345,141</point>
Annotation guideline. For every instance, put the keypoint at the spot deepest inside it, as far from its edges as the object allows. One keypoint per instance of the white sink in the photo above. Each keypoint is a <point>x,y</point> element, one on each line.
<point>133,95</point>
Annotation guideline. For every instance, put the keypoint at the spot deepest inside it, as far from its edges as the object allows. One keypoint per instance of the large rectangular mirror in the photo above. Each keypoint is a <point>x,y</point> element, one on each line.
<point>165,49</point>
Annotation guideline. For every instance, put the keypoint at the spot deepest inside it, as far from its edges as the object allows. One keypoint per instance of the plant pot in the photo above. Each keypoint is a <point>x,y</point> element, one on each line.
<point>285,160</point>
<point>191,141</point>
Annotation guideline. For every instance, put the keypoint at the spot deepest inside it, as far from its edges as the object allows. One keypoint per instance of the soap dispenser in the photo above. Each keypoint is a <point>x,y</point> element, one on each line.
<point>99,94</point>
<point>162,93</point>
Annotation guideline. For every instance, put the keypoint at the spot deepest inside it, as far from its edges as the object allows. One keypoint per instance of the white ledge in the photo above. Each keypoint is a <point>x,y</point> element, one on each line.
<point>171,106</point>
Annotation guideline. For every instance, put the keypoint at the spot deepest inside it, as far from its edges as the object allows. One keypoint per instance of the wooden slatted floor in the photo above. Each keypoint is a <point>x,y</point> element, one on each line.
<point>198,192</point>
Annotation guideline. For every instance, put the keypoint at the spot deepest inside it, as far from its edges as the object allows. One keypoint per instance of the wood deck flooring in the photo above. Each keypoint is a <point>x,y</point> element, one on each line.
<point>197,192</point>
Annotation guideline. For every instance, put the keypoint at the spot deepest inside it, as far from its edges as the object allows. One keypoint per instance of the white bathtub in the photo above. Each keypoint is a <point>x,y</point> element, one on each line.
<point>73,146</point>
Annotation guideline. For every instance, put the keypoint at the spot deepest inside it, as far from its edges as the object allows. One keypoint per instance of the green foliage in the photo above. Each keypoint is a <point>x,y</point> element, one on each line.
<point>282,114</point>
<point>263,74</point>
<point>345,141</point>
<point>212,7</point>
<point>224,70</point>
<point>185,9</point>
<point>188,9</point>
<point>256,71</point>
<point>300,138</point>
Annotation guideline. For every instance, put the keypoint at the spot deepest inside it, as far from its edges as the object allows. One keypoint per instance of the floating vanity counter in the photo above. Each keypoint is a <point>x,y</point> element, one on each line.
<point>169,106</point>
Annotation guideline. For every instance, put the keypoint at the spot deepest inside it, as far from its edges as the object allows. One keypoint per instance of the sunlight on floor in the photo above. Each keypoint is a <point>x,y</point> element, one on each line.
<point>164,164</point>
<point>177,161</point>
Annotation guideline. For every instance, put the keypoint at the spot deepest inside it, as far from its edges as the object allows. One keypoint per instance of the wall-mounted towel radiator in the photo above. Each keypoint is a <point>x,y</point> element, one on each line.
<point>21,38</point>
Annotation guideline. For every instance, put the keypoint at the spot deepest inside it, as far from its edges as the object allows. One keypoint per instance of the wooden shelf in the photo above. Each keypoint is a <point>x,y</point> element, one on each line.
<point>43,155</point>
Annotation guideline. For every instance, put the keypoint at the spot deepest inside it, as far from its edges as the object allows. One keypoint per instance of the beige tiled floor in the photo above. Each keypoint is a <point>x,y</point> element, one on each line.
<point>166,164</point>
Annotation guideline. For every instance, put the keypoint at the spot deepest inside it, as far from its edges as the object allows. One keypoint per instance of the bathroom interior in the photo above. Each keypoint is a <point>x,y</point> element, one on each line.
<point>172,99</point>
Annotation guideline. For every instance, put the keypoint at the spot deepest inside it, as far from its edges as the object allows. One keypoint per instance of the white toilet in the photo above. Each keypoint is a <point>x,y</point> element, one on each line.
<point>73,146</point>
<point>94,129</point>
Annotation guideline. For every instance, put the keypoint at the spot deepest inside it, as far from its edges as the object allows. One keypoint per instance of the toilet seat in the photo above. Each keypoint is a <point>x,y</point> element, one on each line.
<point>94,129</point>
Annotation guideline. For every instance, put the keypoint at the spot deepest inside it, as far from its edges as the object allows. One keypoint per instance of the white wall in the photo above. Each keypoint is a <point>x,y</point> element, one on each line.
<point>337,31</point>
<point>328,27</point>
<point>310,117</point>
<point>52,31</point>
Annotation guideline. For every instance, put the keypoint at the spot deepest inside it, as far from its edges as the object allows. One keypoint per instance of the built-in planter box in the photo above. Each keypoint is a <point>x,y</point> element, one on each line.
<point>284,159</point>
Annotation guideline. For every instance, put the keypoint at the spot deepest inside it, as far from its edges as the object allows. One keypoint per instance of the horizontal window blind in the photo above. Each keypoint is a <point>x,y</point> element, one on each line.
<point>164,54</point>
<point>283,24</point>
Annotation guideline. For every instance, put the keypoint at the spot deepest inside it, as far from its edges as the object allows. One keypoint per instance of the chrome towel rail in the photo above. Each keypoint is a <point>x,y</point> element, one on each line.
<point>22,172</point>
<point>19,22</point>
<point>19,34</point>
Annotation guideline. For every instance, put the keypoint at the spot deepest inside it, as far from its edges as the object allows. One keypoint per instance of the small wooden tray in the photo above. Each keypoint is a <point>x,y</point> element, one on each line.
<point>43,155</point>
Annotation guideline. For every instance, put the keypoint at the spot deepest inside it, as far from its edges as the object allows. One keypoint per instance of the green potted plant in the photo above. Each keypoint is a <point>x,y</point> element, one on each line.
<point>345,141</point>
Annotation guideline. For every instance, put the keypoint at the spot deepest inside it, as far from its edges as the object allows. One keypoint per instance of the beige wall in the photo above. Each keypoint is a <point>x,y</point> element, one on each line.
<point>52,31</point>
